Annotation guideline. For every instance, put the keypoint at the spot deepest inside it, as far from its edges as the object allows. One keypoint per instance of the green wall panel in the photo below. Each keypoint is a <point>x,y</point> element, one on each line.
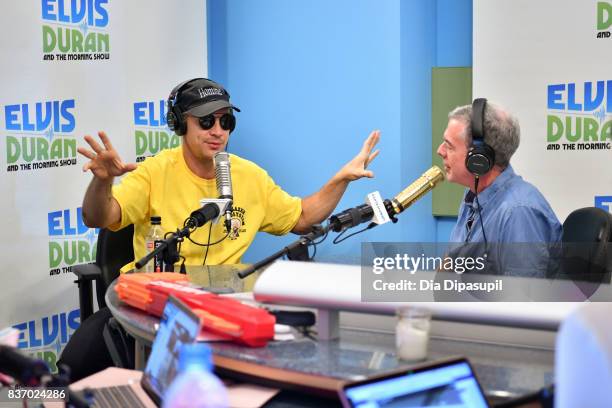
<point>451,87</point>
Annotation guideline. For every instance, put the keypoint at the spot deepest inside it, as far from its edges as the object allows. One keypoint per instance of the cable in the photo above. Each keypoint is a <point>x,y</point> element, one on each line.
<point>337,240</point>
<point>323,238</point>
<point>208,244</point>
<point>315,243</point>
<point>484,235</point>
<point>314,250</point>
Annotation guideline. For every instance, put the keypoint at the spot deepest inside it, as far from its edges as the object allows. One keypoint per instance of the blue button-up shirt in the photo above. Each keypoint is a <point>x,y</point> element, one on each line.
<point>514,214</point>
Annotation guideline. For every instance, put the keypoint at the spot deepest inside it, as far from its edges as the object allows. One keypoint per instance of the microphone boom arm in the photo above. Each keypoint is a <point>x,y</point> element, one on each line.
<point>317,232</point>
<point>360,214</point>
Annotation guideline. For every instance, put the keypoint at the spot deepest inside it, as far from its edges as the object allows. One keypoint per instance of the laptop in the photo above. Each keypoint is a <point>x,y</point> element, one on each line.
<point>178,325</point>
<point>448,383</point>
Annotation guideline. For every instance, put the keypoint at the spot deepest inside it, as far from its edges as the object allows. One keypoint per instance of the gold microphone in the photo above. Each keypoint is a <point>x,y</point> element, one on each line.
<point>417,189</point>
<point>364,212</point>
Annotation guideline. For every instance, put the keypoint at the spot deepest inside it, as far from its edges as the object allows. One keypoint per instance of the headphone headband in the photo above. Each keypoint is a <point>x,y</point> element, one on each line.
<point>177,89</point>
<point>480,157</point>
<point>174,117</point>
<point>478,118</point>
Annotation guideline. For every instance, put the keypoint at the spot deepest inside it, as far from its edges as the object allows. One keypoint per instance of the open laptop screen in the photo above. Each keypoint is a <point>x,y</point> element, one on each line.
<point>450,383</point>
<point>178,325</point>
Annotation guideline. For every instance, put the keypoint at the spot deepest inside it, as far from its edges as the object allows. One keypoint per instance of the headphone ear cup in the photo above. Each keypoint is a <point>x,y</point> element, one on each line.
<point>480,159</point>
<point>174,117</point>
<point>176,122</point>
<point>171,121</point>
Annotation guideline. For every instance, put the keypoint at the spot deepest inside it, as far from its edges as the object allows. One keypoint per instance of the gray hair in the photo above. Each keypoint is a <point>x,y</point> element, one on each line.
<point>501,130</point>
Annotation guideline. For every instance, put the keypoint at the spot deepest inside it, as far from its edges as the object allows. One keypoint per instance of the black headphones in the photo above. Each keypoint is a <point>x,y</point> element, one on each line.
<point>480,157</point>
<point>174,117</point>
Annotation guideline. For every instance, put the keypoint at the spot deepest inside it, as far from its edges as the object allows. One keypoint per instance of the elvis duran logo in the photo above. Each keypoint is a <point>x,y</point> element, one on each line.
<point>71,242</point>
<point>151,133</point>
<point>39,135</point>
<point>579,116</point>
<point>604,19</point>
<point>75,30</point>
<point>45,338</point>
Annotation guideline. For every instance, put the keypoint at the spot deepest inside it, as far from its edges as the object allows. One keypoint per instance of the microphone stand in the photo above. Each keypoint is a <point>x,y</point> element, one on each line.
<point>302,243</point>
<point>168,249</point>
<point>209,211</point>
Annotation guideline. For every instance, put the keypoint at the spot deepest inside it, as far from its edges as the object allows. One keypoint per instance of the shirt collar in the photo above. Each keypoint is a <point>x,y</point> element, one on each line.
<point>488,193</point>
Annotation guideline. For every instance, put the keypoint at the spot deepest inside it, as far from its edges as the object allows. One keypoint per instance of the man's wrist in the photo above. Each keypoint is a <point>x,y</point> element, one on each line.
<point>340,180</point>
<point>105,181</point>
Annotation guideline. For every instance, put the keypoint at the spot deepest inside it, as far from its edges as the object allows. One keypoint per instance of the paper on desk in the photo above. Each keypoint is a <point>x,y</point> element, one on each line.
<point>249,395</point>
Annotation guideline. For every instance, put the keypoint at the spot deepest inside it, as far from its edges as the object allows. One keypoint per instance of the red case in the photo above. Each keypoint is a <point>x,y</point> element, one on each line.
<point>224,316</point>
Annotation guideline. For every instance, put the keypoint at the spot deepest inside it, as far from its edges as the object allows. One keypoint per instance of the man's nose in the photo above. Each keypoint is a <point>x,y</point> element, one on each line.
<point>440,150</point>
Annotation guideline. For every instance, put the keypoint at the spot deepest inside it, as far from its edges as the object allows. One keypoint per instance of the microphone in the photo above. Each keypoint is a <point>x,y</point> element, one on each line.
<point>364,212</point>
<point>25,370</point>
<point>223,177</point>
<point>202,215</point>
<point>208,212</point>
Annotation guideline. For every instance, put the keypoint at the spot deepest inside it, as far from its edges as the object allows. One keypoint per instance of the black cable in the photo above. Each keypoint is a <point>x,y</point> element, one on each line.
<point>484,235</point>
<point>306,332</point>
<point>323,238</point>
<point>337,240</point>
<point>208,243</point>
<point>315,243</point>
<point>314,249</point>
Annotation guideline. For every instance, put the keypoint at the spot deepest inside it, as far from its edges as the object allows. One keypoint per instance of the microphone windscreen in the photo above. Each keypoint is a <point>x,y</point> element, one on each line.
<point>417,189</point>
<point>223,175</point>
<point>204,214</point>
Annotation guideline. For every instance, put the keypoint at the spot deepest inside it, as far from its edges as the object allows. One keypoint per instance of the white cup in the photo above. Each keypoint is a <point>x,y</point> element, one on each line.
<point>412,333</point>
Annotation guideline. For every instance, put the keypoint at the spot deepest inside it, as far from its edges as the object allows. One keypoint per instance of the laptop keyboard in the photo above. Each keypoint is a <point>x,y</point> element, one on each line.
<point>120,396</point>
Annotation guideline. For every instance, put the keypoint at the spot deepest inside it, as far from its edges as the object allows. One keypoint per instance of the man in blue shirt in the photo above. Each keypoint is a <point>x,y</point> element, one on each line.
<point>514,222</point>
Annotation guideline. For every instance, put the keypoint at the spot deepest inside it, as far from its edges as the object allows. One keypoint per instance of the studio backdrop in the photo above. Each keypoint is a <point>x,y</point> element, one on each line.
<point>70,68</point>
<point>549,63</point>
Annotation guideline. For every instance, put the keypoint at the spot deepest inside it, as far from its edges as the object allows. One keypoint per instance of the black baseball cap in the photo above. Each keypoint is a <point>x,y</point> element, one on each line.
<point>201,97</point>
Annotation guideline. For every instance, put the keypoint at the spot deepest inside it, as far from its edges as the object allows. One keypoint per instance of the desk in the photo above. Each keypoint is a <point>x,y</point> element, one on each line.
<point>320,366</point>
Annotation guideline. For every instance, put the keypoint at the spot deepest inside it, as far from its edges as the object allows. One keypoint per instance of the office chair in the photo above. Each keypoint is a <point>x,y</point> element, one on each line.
<point>114,249</point>
<point>586,254</point>
<point>100,341</point>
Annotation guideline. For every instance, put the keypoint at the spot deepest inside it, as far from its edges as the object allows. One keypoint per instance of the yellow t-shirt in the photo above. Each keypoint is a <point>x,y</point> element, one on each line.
<point>163,185</point>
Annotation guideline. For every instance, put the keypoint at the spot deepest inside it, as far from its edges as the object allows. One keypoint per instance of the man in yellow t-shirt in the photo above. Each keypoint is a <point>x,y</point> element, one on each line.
<point>172,183</point>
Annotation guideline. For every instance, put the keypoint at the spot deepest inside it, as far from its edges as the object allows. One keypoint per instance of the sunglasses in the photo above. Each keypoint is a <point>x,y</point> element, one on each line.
<point>227,121</point>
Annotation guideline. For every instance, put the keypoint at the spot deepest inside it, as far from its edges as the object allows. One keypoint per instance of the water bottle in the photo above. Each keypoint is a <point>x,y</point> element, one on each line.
<point>152,241</point>
<point>196,386</point>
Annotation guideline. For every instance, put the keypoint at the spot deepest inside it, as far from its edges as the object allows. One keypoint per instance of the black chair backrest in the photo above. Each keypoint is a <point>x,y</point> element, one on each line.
<point>114,249</point>
<point>588,224</point>
<point>587,233</point>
